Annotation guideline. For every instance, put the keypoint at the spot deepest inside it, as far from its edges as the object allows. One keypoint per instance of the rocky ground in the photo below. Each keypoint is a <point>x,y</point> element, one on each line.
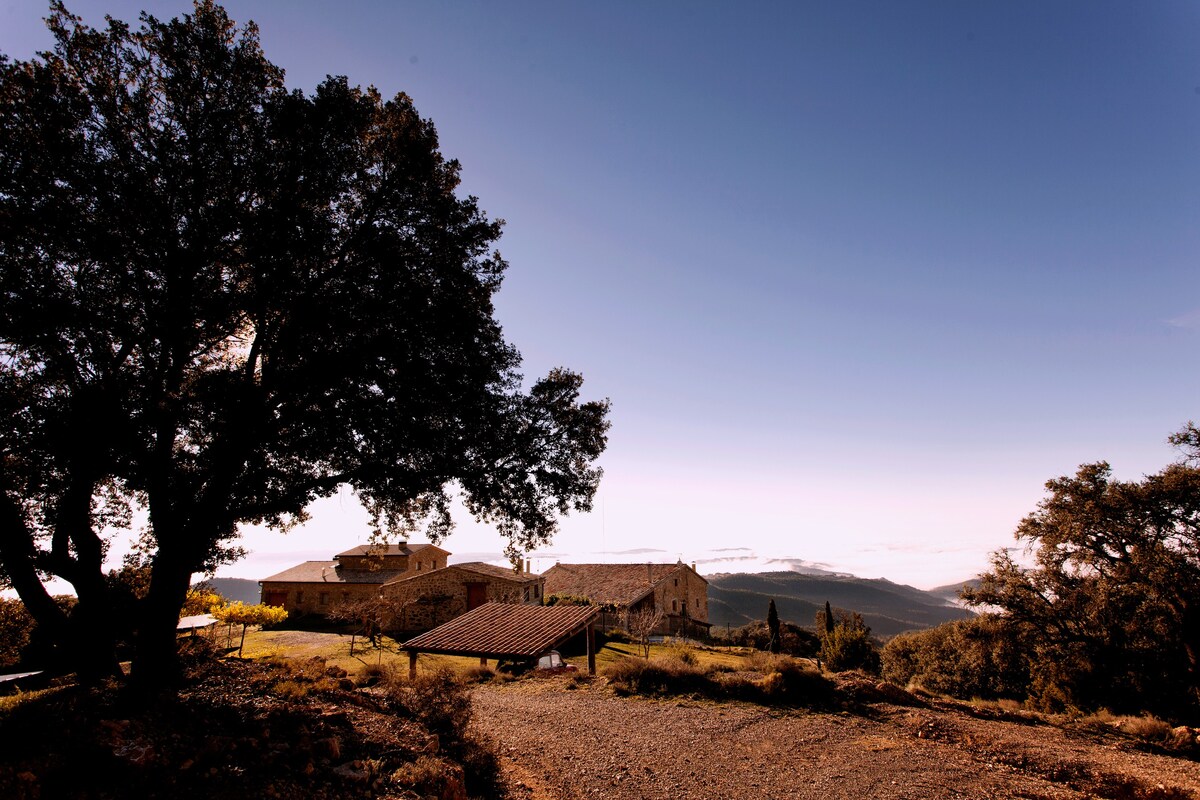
<point>566,739</point>
<point>243,729</point>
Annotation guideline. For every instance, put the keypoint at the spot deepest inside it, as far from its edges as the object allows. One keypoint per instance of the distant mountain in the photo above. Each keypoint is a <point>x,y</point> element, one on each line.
<point>889,608</point>
<point>950,590</point>
<point>234,589</point>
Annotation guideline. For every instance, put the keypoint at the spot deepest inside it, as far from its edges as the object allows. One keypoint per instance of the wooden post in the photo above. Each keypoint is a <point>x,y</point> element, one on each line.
<point>412,665</point>
<point>483,661</point>
<point>591,648</point>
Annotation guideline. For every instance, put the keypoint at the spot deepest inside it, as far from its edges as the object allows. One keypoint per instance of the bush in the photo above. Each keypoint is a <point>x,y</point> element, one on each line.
<point>437,699</point>
<point>793,640</point>
<point>787,681</point>
<point>16,625</point>
<point>967,659</point>
<point>850,646</point>
<point>660,677</point>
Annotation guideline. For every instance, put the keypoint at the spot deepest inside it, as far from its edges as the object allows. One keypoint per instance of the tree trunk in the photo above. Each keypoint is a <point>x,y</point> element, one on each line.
<point>155,658</point>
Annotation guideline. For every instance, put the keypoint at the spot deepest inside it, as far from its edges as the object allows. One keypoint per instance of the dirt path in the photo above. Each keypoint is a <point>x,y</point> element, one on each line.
<point>587,743</point>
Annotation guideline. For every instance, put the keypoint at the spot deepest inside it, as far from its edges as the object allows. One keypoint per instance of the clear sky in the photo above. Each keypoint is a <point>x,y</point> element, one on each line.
<point>857,277</point>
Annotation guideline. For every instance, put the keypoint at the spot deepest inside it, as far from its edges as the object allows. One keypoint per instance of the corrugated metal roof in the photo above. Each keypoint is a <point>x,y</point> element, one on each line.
<point>501,630</point>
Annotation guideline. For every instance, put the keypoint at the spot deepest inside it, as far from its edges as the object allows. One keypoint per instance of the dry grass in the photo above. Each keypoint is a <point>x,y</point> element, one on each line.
<point>1146,727</point>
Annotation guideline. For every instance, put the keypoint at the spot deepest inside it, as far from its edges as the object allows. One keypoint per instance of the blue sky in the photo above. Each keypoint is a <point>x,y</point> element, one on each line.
<point>857,277</point>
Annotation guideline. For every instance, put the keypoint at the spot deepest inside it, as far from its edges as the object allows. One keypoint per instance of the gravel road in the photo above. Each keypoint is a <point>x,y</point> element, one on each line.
<point>568,744</point>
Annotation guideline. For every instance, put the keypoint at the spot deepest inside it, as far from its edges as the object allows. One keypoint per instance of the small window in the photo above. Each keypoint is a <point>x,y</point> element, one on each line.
<point>697,602</point>
<point>418,566</point>
<point>299,598</point>
<point>537,592</point>
<point>674,605</point>
<point>323,598</point>
<point>527,594</point>
<point>677,581</point>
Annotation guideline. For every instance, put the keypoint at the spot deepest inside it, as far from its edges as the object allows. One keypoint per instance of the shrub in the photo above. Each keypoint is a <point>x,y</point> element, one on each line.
<point>849,646</point>
<point>793,640</point>
<point>967,659</point>
<point>794,683</point>
<point>660,677</point>
<point>479,674</point>
<point>16,625</point>
<point>438,699</point>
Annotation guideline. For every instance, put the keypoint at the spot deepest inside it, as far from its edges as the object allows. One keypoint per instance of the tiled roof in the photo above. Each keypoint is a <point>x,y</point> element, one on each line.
<point>397,549</point>
<point>618,584</point>
<point>330,572</point>
<point>501,630</point>
<point>476,568</point>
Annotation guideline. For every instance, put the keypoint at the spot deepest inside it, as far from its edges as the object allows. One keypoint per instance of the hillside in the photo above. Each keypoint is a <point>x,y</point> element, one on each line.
<point>235,589</point>
<point>889,608</point>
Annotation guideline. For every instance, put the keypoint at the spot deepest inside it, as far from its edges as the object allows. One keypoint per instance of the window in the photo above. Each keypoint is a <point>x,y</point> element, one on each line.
<point>323,598</point>
<point>674,605</point>
<point>299,598</point>
<point>537,592</point>
<point>418,566</point>
<point>526,594</point>
<point>697,602</point>
<point>677,581</point>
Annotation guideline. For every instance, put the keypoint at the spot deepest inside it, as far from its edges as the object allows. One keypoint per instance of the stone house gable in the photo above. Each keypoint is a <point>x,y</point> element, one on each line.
<point>430,599</point>
<point>677,590</point>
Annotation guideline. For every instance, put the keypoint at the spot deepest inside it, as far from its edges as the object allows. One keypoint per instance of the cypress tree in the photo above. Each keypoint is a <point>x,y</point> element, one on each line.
<point>773,627</point>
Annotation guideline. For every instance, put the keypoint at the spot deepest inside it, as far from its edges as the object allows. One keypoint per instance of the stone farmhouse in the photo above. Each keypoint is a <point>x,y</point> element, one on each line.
<point>676,589</point>
<point>426,591</point>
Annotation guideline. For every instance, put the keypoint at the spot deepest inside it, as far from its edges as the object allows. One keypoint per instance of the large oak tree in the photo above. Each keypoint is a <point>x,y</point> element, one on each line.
<point>220,300</point>
<point>1108,612</point>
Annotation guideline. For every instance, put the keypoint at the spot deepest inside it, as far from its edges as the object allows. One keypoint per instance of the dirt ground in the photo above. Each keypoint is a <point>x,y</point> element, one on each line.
<point>585,742</point>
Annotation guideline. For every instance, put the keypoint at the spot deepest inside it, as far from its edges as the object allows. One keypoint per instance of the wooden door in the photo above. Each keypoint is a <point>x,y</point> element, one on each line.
<point>476,595</point>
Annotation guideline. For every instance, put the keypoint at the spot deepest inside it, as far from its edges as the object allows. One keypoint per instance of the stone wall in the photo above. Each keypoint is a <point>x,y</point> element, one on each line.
<point>318,598</point>
<point>437,597</point>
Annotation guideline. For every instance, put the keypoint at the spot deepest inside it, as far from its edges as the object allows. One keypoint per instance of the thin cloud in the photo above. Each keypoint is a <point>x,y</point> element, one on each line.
<point>637,551</point>
<point>1188,321</point>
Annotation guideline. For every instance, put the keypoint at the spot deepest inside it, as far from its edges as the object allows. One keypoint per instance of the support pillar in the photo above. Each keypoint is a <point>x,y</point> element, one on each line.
<point>591,648</point>
<point>412,665</point>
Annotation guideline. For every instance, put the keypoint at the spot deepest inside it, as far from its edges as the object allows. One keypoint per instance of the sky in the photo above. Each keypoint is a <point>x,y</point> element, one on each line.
<point>858,278</point>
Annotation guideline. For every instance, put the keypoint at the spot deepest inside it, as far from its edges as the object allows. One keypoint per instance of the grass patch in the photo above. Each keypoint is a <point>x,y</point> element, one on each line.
<point>786,681</point>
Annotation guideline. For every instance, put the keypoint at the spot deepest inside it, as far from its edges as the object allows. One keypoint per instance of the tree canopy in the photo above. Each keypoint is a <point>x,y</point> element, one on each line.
<point>221,299</point>
<point>1108,613</point>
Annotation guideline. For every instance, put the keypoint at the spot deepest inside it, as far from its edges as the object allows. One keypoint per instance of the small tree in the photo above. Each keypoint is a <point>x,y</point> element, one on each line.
<point>202,600</point>
<point>773,627</point>
<point>849,645</point>
<point>642,623</point>
<point>241,614</point>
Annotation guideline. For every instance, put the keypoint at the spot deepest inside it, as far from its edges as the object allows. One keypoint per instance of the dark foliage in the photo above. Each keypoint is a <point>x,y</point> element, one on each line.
<point>793,640</point>
<point>847,644</point>
<point>1108,615</point>
<point>241,729</point>
<point>980,657</point>
<point>773,644</point>
<point>220,300</point>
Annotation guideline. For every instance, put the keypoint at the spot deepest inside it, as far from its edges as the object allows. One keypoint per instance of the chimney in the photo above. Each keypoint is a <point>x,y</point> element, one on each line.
<point>694,567</point>
<point>649,572</point>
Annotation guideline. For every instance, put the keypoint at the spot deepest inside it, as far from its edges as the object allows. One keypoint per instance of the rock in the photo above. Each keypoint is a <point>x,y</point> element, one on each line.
<point>352,771</point>
<point>330,748</point>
